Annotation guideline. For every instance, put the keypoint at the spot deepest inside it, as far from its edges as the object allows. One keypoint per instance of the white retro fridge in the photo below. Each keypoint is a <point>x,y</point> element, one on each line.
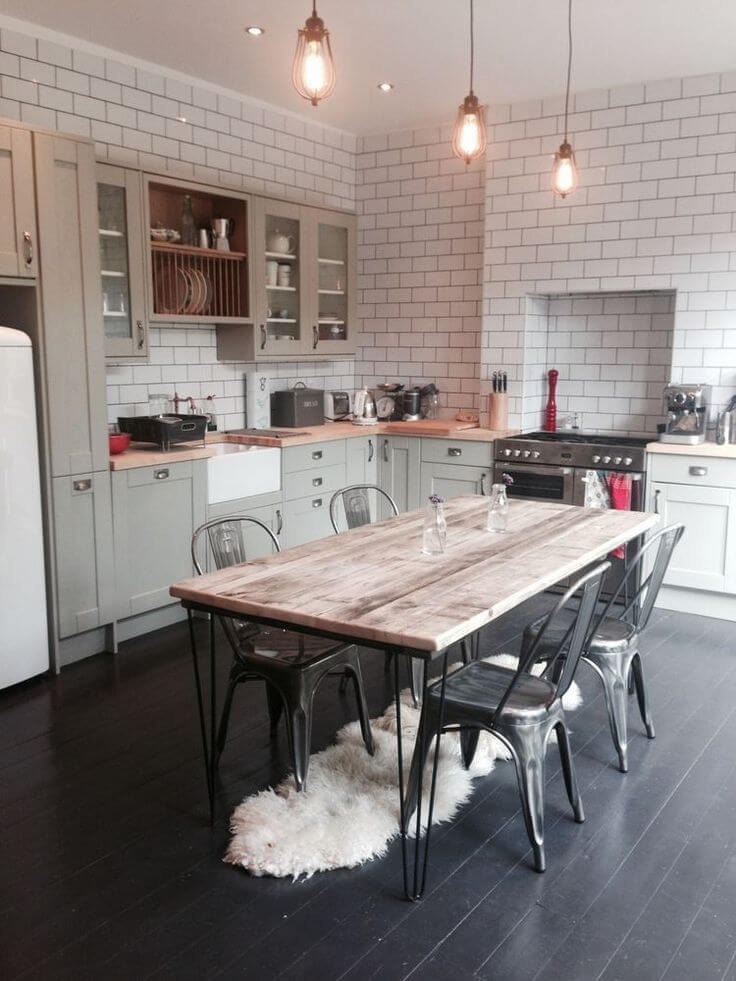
<point>24,650</point>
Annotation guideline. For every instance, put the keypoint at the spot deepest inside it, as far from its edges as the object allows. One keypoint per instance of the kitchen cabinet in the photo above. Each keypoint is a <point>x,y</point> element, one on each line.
<point>362,460</point>
<point>121,238</point>
<point>311,474</point>
<point>399,470</point>
<point>18,253</point>
<point>85,583</point>
<point>281,266</point>
<point>332,282</point>
<point>71,304</point>
<point>450,480</point>
<point>155,512</point>
<point>267,508</point>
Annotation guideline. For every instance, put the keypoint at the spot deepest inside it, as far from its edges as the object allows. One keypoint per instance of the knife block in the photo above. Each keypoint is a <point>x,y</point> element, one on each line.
<point>498,410</point>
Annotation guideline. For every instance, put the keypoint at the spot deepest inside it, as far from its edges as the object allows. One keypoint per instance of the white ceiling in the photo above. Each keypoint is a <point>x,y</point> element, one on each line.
<point>419,45</point>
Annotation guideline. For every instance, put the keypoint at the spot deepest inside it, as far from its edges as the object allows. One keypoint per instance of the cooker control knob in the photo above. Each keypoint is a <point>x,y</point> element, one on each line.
<point>535,454</point>
<point>606,459</point>
<point>527,453</point>
<point>596,459</point>
<point>627,461</point>
<point>617,460</point>
<point>507,452</point>
<point>517,452</point>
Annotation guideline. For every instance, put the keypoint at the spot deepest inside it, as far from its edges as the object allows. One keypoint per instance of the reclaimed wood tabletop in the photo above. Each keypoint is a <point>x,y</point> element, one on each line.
<point>374,583</point>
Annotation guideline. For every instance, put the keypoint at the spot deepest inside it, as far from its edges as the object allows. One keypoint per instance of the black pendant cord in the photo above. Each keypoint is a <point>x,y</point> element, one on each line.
<point>569,61</point>
<point>472,52</point>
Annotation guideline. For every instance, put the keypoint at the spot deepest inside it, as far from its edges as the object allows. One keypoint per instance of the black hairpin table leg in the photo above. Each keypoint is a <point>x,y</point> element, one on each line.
<point>415,879</point>
<point>209,744</point>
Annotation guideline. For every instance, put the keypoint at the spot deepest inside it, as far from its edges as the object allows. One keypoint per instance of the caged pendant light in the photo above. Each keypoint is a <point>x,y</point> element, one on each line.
<point>313,73</point>
<point>469,135</point>
<point>564,171</point>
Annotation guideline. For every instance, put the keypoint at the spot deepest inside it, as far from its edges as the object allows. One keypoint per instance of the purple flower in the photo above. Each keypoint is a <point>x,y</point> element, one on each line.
<point>507,479</point>
<point>436,499</point>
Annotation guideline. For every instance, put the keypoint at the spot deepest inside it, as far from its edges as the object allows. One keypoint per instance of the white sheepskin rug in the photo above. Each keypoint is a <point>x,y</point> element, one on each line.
<point>350,810</point>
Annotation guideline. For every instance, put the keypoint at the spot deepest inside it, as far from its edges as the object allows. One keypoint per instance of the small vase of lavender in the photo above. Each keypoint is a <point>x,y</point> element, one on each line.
<point>498,505</point>
<point>434,538</point>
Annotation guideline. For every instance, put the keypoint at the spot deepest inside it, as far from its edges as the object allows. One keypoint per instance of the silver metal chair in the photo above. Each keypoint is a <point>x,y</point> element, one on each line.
<point>613,650</point>
<point>291,663</point>
<point>520,708</point>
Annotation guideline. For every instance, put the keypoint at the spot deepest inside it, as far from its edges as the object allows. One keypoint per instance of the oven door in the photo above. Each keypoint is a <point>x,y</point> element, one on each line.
<point>537,483</point>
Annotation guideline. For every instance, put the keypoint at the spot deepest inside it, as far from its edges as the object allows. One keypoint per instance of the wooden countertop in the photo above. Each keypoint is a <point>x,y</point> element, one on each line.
<point>374,584</point>
<point>148,455</point>
<point>726,452</point>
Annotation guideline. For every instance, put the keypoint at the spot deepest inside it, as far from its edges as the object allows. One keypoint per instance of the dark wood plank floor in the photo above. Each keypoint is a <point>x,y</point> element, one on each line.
<point>109,869</point>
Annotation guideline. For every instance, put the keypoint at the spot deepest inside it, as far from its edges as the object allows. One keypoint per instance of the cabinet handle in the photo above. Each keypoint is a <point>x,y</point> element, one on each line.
<point>317,502</point>
<point>264,336</point>
<point>482,483</point>
<point>27,248</point>
<point>280,522</point>
<point>317,482</point>
<point>141,335</point>
<point>315,337</point>
<point>160,474</point>
<point>317,455</point>
<point>656,501</point>
<point>454,451</point>
<point>385,451</point>
<point>370,450</point>
<point>82,485</point>
<point>698,471</point>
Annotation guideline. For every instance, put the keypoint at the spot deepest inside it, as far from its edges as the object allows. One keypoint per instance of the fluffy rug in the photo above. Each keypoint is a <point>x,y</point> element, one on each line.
<point>350,811</point>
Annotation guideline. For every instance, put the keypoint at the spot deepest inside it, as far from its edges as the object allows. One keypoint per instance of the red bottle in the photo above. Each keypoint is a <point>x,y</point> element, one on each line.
<point>550,412</point>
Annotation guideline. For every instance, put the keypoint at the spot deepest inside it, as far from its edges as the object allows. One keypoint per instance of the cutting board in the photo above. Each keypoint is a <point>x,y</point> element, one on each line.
<point>429,427</point>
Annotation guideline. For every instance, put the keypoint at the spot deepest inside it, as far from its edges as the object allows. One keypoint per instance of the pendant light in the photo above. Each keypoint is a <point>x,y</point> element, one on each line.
<point>564,172</point>
<point>469,135</point>
<point>313,73</point>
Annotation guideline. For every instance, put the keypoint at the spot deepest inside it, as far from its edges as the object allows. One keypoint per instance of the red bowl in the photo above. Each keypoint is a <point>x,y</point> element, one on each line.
<point>118,442</point>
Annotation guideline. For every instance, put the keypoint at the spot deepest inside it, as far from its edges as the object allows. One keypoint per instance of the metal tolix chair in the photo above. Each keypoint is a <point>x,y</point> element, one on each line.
<point>520,708</point>
<point>613,650</point>
<point>291,663</point>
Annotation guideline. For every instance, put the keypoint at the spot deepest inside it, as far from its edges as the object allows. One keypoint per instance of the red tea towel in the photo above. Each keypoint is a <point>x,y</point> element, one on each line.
<point>619,487</point>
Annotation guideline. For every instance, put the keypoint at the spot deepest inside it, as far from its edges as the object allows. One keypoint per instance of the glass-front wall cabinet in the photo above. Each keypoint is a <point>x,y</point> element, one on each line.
<point>121,261</point>
<point>334,329</point>
<point>279,236</point>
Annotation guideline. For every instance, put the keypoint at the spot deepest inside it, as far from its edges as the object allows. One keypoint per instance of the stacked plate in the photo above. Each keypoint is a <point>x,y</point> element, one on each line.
<point>183,292</point>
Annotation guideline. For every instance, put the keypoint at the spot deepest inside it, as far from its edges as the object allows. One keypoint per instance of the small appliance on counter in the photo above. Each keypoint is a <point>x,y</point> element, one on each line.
<point>297,407</point>
<point>412,403</point>
<point>389,406</point>
<point>726,425</point>
<point>338,406</point>
<point>686,409</point>
<point>364,410</point>
<point>164,431</point>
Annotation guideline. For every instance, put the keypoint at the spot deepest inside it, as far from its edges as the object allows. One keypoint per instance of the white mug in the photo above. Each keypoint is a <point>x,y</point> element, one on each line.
<point>284,274</point>
<point>272,272</point>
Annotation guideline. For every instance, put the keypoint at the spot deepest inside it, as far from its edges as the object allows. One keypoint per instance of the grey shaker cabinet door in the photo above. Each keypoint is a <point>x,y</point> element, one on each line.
<point>84,555</point>
<point>306,520</point>
<point>71,304</point>
<point>453,480</point>
<point>257,542</point>
<point>398,464</point>
<point>18,252</point>
<point>362,459</point>
<point>155,512</point>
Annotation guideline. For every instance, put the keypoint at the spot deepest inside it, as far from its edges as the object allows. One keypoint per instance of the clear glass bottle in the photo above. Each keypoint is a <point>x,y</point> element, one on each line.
<point>498,509</point>
<point>434,537</point>
<point>188,225</point>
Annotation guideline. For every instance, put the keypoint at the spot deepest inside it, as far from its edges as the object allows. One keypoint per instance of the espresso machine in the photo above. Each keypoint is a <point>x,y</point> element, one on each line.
<point>686,413</point>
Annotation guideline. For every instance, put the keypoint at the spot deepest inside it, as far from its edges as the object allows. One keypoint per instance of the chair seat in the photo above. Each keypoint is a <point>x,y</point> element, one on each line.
<point>611,637</point>
<point>288,648</point>
<point>476,690</point>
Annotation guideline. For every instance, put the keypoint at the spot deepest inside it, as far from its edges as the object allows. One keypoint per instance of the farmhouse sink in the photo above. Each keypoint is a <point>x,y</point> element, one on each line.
<point>241,471</point>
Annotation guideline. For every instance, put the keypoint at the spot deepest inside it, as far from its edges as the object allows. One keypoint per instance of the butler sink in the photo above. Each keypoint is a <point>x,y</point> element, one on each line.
<point>241,471</point>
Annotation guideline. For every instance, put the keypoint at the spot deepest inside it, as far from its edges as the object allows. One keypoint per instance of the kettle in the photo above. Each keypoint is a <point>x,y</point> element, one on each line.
<point>364,409</point>
<point>726,424</point>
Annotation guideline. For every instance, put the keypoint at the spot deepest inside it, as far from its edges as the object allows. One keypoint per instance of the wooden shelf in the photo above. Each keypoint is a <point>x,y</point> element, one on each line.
<point>331,292</point>
<point>284,256</point>
<point>193,250</point>
<point>110,233</point>
<point>281,320</point>
<point>282,289</point>
<point>116,315</point>
<point>112,274</point>
<point>331,262</point>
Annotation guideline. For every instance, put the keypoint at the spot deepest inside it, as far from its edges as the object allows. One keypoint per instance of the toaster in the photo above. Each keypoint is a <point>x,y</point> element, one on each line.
<point>338,406</point>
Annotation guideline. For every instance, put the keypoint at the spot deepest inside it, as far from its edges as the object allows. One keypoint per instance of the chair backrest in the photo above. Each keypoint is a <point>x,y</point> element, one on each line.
<point>355,503</point>
<point>227,539</point>
<point>639,607</point>
<point>563,662</point>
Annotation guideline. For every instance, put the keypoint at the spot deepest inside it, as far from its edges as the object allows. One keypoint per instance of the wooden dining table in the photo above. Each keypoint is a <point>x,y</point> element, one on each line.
<point>374,587</point>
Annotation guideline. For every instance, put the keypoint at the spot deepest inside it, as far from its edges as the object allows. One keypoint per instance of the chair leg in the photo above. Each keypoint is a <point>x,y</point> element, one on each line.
<point>342,687</point>
<point>387,659</point>
<point>300,739</point>
<point>468,745</point>
<point>568,770</point>
<point>353,669</point>
<point>428,725</point>
<point>225,717</point>
<point>416,679</point>
<point>615,682</point>
<point>527,743</point>
<point>641,694</point>
<point>275,707</point>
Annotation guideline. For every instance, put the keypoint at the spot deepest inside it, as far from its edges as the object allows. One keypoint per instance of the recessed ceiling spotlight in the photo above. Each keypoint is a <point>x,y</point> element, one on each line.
<point>254,30</point>
<point>385,86</point>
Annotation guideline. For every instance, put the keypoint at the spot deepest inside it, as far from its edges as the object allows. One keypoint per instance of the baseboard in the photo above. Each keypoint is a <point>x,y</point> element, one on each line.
<point>698,602</point>
<point>144,623</point>
<point>72,649</point>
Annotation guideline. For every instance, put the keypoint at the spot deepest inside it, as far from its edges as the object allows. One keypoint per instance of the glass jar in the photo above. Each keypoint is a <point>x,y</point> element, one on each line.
<point>498,509</point>
<point>434,537</point>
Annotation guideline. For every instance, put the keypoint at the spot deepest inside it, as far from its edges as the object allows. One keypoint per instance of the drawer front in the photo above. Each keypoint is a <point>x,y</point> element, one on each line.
<point>312,455</point>
<point>468,453</point>
<point>165,473</point>
<point>306,520</point>
<point>693,470</point>
<point>320,481</point>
